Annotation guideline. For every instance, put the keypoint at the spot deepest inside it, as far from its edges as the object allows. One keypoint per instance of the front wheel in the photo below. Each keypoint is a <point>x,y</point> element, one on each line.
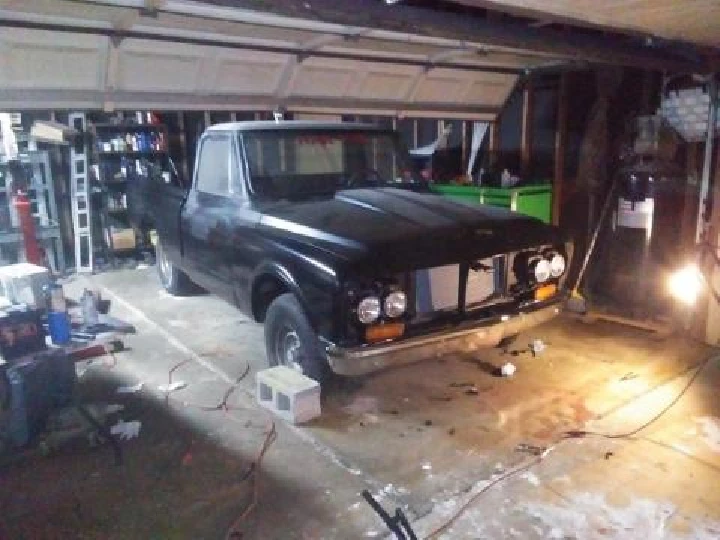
<point>290,340</point>
<point>173,280</point>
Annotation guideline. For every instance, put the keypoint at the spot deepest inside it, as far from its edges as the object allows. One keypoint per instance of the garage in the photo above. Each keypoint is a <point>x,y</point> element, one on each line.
<point>370,269</point>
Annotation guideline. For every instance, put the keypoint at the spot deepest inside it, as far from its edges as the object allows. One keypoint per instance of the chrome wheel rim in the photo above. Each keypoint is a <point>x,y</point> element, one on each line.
<point>163,265</point>
<point>289,349</point>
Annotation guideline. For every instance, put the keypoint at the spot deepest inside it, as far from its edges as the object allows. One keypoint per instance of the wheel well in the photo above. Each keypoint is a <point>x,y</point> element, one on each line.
<point>265,290</point>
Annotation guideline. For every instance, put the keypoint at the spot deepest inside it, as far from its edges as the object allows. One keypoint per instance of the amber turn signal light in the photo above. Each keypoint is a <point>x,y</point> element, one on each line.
<point>382,332</point>
<point>545,292</point>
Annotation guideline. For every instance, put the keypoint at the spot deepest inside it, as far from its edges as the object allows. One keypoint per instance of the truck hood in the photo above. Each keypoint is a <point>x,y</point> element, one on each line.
<point>390,229</point>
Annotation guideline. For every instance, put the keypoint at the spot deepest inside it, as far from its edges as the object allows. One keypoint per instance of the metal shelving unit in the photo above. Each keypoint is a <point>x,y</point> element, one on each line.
<point>41,193</point>
<point>123,152</point>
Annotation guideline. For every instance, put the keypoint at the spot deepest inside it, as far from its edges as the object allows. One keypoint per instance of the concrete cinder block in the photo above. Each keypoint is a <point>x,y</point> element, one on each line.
<point>289,394</point>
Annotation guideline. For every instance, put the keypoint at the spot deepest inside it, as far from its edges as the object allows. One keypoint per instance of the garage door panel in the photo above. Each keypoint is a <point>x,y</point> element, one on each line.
<point>248,76</point>
<point>318,81</point>
<point>253,33</point>
<point>143,66</point>
<point>490,91</point>
<point>438,89</point>
<point>36,58</point>
<point>384,86</point>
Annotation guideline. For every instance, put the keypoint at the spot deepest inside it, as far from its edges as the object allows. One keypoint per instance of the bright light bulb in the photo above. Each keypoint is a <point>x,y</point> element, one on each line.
<point>685,284</point>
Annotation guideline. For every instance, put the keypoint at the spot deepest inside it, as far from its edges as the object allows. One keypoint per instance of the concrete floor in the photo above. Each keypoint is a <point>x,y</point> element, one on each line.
<point>418,438</point>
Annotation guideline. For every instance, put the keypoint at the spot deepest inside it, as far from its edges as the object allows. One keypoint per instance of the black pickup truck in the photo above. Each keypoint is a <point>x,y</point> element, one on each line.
<point>326,234</point>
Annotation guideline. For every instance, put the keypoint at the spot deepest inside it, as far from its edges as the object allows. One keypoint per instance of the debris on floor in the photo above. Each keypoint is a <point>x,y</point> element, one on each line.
<point>41,343</point>
<point>508,369</point>
<point>361,404</point>
<point>126,430</point>
<point>709,426</point>
<point>531,478</point>
<point>172,387</point>
<point>129,389</point>
<point>531,449</point>
<point>515,352</point>
<point>71,418</point>
<point>537,347</point>
<point>71,423</point>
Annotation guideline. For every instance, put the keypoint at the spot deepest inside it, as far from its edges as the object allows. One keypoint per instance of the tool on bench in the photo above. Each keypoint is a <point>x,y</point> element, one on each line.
<point>398,524</point>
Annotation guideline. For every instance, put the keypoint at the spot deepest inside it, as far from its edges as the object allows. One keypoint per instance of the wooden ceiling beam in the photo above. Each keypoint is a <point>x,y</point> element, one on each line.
<point>576,43</point>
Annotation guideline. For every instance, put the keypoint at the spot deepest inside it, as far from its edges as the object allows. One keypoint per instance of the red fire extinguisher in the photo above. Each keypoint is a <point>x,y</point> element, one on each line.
<point>33,254</point>
<point>18,188</point>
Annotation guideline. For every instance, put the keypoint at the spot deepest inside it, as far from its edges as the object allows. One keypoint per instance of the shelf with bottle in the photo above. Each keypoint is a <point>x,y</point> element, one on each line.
<point>116,203</point>
<point>129,168</point>
<point>130,142</point>
<point>131,153</point>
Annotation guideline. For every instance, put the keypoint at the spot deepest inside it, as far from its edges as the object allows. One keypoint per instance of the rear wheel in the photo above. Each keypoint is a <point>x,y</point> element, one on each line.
<point>172,279</point>
<point>290,340</point>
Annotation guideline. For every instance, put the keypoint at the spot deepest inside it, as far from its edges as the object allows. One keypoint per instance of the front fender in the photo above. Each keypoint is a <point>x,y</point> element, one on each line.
<point>315,296</point>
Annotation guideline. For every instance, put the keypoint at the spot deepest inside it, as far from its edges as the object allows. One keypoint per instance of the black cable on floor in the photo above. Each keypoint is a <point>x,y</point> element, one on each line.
<point>574,434</point>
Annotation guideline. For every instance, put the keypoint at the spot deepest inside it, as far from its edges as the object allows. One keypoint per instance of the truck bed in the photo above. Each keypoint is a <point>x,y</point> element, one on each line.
<point>153,204</point>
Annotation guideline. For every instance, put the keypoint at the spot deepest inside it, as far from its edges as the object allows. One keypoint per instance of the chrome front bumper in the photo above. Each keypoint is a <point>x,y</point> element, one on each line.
<point>361,360</point>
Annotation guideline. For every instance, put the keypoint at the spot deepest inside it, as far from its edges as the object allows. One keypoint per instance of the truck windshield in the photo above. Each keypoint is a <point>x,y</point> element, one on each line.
<point>289,164</point>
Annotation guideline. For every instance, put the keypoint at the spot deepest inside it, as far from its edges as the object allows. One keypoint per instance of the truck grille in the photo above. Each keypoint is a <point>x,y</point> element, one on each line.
<point>437,289</point>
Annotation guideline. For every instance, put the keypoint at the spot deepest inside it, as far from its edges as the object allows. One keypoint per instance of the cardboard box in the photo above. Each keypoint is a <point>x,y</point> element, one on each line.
<point>25,283</point>
<point>123,239</point>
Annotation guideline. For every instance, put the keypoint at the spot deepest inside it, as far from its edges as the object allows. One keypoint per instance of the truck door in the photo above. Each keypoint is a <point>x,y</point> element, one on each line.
<point>204,220</point>
<point>245,249</point>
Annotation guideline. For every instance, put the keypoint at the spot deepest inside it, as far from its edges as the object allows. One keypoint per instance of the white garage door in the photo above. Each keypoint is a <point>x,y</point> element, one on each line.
<point>113,55</point>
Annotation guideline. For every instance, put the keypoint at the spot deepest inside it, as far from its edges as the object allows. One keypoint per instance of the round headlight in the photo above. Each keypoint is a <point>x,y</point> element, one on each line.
<point>368,309</point>
<point>557,265</point>
<point>395,304</point>
<point>541,271</point>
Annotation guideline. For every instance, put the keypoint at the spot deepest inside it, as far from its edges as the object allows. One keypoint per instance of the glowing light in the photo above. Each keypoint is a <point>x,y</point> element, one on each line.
<point>685,284</point>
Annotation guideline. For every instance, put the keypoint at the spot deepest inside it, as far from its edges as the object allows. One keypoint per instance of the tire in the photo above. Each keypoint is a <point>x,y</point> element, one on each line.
<point>173,280</point>
<point>291,341</point>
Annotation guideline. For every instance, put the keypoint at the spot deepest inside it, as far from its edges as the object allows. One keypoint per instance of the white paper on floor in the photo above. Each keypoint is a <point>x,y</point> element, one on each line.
<point>167,388</point>
<point>508,369</point>
<point>710,428</point>
<point>126,430</point>
<point>537,346</point>
<point>586,513</point>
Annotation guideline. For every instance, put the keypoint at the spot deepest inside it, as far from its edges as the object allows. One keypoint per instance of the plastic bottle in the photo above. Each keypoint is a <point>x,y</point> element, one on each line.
<point>89,308</point>
<point>58,318</point>
<point>57,298</point>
